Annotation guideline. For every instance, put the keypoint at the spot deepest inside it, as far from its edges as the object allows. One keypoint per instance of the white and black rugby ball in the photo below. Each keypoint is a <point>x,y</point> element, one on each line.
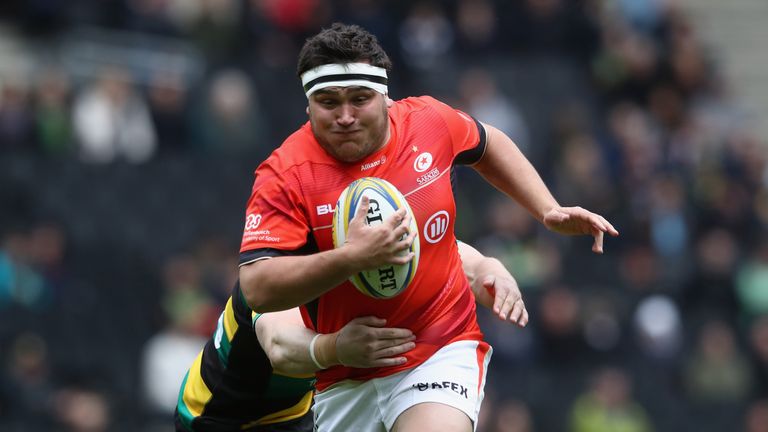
<point>389,280</point>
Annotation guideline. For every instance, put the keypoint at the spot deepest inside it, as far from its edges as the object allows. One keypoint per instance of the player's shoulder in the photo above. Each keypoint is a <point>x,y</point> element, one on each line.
<point>431,109</point>
<point>295,150</point>
<point>415,103</point>
<point>421,104</point>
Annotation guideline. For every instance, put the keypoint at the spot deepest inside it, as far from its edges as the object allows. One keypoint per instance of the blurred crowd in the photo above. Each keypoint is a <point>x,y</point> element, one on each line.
<point>129,130</point>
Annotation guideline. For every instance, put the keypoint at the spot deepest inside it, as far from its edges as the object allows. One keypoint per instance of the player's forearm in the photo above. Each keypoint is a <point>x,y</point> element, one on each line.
<point>289,351</point>
<point>286,342</point>
<point>477,266</point>
<point>284,282</point>
<point>505,166</point>
<point>487,266</point>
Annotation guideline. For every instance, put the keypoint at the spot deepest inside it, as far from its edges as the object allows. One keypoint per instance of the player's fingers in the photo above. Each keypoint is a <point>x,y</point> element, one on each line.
<point>371,321</point>
<point>395,350</point>
<point>402,230</point>
<point>489,284</point>
<point>597,246</point>
<point>402,259</point>
<point>517,311</point>
<point>506,307</point>
<point>610,228</point>
<point>405,243</point>
<point>381,345</point>
<point>396,219</point>
<point>523,321</point>
<point>394,333</point>
<point>362,210</point>
<point>386,362</point>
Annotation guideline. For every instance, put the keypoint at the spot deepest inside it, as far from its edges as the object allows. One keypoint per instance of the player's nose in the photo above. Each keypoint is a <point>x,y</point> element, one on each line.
<point>346,115</point>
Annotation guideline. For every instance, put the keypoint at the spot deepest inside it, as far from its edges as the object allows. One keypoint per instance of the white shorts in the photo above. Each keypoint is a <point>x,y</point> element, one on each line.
<point>453,376</point>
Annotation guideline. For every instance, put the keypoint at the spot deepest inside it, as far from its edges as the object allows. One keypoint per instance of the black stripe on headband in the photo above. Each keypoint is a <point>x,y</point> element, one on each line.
<point>345,77</point>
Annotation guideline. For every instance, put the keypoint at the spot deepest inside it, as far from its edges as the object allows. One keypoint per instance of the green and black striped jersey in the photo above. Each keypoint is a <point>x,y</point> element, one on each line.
<point>231,384</point>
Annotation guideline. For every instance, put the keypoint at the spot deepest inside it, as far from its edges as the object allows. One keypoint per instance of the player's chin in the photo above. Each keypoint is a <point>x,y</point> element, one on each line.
<point>349,152</point>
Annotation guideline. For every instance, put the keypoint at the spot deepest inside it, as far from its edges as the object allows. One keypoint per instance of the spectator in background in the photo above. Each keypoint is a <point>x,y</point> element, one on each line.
<point>28,388</point>
<point>80,408</point>
<point>582,174</point>
<point>168,99</point>
<point>112,121</point>
<point>711,288</point>
<point>512,416</point>
<point>426,36</point>
<point>15,114</point>
<point>658,326</point>
<point>477,30</point>
<point>20,281</point>
<point>756,417</point>
<point>717,371</point>
<point>191,317</point>
<point>752,283</point>
<point>230,121</point>
<point>758,342</point>
<point>52,117</point>
<point>483,100</point>
<point>607,406</point>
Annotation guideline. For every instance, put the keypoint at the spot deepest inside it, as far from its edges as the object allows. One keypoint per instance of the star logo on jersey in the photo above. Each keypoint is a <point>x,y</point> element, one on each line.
<point>252,221</point>
<point>422,162</point>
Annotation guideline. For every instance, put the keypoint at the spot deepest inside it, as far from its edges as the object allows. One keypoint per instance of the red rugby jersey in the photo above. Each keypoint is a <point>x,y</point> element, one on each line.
<point>291,208</point>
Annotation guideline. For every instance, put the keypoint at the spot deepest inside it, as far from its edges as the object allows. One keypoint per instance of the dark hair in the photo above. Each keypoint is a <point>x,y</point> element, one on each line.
<point>342,43</point>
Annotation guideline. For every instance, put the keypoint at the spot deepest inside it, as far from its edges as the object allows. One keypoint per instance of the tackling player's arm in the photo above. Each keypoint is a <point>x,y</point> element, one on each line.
<point>364,342</point>
<point>284,282</point>
<point>493,285</point>
<point>505,166</point>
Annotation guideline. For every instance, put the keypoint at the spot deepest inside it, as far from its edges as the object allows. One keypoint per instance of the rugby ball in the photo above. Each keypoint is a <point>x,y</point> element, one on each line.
<point>384,200</point>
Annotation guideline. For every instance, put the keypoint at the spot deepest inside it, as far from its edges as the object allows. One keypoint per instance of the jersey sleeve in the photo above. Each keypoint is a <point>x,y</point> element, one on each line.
<point>275,221</point>
<point>467,134</point>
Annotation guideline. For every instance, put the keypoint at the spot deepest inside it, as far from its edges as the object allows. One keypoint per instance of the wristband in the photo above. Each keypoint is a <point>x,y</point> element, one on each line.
<point>312,351</point>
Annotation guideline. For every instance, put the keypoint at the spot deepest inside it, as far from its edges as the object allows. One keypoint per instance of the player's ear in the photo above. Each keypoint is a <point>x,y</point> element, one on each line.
<point>390,102</point>
<point>307,110</point>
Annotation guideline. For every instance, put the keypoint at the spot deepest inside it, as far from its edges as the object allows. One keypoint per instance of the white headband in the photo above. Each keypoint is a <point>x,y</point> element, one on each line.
<point>344,75</point>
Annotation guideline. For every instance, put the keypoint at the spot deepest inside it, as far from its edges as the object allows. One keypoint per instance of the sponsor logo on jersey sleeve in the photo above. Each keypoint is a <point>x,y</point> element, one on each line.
<point>436,226</point>
<point>252,221</point>
<point>252,233</point>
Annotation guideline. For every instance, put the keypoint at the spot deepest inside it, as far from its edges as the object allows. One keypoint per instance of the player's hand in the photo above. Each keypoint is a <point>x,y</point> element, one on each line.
<point>377,245</point>
<point>576,221</point>
<point>508,303</point>
<point>364,342</point>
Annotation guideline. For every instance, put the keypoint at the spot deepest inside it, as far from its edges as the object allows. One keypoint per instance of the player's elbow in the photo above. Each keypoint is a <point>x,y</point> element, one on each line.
<point>281,357</point>
<point>254,290</point>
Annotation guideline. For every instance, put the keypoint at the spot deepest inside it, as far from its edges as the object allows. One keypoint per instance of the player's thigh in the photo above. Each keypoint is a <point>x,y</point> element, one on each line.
<point>432,417</point>
<point>449,383</point>
<point>349,406</point>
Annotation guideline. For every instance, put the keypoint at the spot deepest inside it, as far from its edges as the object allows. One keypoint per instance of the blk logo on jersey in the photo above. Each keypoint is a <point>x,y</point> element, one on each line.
<point>324,209</point>
<point>252,221</point>
<point>422,162</point>
<point>436,226</point>
<point>458,388</point>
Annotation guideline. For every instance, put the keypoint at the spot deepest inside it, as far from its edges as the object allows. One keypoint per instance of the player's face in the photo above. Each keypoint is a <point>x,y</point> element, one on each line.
<point>350,123</point>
